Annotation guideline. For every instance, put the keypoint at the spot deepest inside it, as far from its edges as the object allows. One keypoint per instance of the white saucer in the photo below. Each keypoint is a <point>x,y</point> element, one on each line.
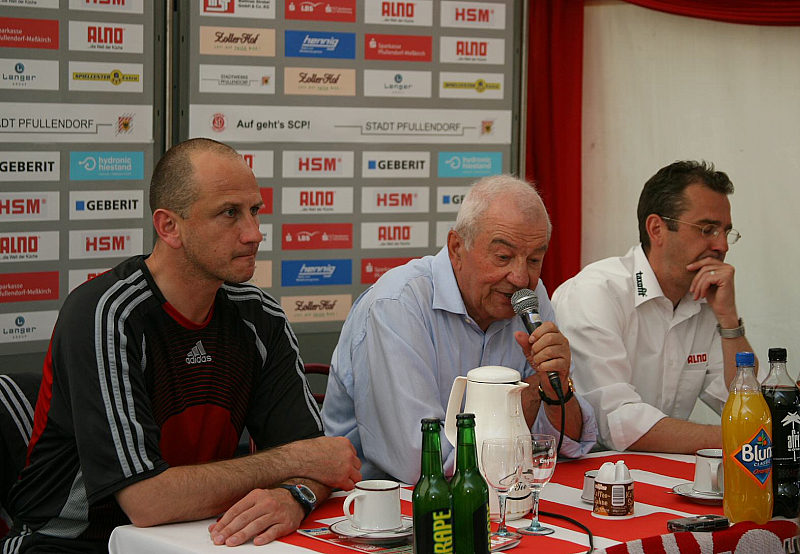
<point>685,489</point>
<point>344,528</point>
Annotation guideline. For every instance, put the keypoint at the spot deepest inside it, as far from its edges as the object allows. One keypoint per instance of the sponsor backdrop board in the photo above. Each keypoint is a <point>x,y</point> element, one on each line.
<point>81,93</point>
<point>365,122</point>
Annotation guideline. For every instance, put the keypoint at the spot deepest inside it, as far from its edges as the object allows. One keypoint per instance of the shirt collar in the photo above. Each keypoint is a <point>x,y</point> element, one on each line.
<point>446,294</point>
<point>646,286</point>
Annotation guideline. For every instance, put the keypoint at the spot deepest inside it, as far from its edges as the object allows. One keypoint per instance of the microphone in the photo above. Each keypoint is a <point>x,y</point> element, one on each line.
<point>526,305</point>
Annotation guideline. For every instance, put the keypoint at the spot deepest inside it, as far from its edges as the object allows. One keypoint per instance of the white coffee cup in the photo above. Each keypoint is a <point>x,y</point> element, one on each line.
<point>376,505</point>
<point>708,471</point>
<point>587,494</point>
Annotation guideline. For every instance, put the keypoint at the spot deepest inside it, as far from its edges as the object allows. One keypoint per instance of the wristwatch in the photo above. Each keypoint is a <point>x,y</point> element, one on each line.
<point>556,402</point>
<point>304,496</point>
<point>734,333</point>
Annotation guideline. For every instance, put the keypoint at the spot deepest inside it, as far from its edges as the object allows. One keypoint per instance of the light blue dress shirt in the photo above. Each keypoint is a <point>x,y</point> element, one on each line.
<point>405,341</point>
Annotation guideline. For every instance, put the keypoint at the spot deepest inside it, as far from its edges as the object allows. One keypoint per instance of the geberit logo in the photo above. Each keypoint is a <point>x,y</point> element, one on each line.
<point>30,166</point>
<point>395,164</point>
<point>106,204</point>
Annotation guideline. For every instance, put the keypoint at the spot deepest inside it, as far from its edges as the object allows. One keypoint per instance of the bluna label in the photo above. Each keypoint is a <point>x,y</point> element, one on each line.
<point>755,456</point>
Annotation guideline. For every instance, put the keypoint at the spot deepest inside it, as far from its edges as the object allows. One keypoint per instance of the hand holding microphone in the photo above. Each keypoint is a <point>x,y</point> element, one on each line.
<point>526,305</point>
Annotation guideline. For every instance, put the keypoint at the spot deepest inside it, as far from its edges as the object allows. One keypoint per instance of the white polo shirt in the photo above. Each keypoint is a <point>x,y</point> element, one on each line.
<point>636,359</point>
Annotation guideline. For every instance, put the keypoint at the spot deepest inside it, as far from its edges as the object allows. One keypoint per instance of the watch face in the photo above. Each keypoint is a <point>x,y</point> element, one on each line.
<point>307,493</point>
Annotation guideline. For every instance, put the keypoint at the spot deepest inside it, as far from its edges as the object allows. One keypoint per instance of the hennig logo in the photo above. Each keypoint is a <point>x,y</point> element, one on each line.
<point>197,355</point>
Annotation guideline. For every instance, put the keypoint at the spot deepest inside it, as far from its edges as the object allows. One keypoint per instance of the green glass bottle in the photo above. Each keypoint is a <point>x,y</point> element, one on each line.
<point>471,524</point>
<point>432,500</point>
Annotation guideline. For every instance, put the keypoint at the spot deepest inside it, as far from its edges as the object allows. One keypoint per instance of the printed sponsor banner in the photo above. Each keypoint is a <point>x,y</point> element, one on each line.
<point>251,9</point>
<point>320,81</point>
<point>253,123</point>
<point>25,287</point>
<point>77,277</point>
<point>260,161</point>
<point>29,246</point>
<point>30,166</point>
<point>28,33</point>
<point>408,84</point>
<point>474,15</point>
<point>106,77</point>
<point>104,243</point>
<point>317,200</point>
<point>325,10</point>
<point>240,79</point>
<point>317,44</point>
<point>30,3</point>
<point>384,200</point>
<point>29,206</point>
<point>237,41</point>
<point>317,164</point>
<point>416,12</point>
<point>316,236</point>
<point>373,268</point>
<point>100,36</point>
<point>28,74</point>
<point>302,273</point>
<point>448,199</point>
<point>395,164</point>
<point>41,122</point>
<point>316,308</point>
<point>470,164</point>
<point>27,326</point>
<point>472,50</point>
<point>394,234</point>
<point>480,86</point>
<point>108,6</point>
<point>262,276</point>
<point>409,48</point>
<point>442,229</point>
<point>266,237</point>
<point>106,204</point>
<point>106,166</point>
<point>266,198</point>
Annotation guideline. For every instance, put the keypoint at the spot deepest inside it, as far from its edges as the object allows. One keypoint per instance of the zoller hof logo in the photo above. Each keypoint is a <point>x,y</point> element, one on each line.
<point>218,122</point>
<point>115,77</point>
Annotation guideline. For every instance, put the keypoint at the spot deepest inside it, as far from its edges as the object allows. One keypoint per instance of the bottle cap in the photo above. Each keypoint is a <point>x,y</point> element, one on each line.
<point>777,355</point>
<point>431,421</point>
<point>745,359</point>
<point>459,417</point>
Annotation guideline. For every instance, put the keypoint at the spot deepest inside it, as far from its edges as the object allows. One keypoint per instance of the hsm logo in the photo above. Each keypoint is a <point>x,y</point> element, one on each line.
<point>394,199</point>
<point>19,245</point>
<point>472,48</point>
<point>316,198</point>
<point>482,15</point>
<point>317,164</point>
<point>106,244</point>
<point>397,9</point>
<point>21,206</point>
<point>104,35</point>
<point>394,232</point>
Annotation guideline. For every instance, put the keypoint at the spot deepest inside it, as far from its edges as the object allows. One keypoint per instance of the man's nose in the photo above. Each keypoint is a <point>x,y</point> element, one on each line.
<point>251,232</point>
<point>720,243</point>
<point>518,274</point>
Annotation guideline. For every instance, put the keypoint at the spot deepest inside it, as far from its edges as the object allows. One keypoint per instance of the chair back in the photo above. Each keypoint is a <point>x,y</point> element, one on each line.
<point>318,369</point>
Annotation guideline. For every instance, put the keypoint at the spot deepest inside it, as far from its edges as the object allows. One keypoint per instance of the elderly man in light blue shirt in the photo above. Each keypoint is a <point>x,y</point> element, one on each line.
<point>423,324</point>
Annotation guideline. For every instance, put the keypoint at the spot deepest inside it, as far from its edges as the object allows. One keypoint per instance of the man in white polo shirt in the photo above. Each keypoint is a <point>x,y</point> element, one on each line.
<point>656,329</point>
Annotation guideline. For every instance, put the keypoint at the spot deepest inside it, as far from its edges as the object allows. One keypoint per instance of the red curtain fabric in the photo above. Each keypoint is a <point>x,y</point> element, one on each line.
<point>553,126</point>
<point>553,132</point>
<point>754,12</point>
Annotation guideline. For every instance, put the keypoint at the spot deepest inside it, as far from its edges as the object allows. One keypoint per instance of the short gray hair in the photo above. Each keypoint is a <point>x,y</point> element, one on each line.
<point>480,196</point>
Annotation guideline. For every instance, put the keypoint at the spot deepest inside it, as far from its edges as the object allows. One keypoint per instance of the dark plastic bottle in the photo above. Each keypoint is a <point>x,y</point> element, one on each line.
<point>432,500</point>
<point>471,524</point>
<point>783,399</point>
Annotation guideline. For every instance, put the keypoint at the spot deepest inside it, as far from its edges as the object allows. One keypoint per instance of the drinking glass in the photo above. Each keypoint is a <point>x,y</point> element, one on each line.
<point>538,465</point>
<point>501,459</point>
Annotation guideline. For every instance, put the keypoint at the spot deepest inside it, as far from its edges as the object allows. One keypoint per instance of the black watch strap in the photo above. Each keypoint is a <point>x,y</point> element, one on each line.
<point>556,402</point>
<point>304,497</point>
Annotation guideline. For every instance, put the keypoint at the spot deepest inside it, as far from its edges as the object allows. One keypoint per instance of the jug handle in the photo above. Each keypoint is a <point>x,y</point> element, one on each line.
<point>453,408</point>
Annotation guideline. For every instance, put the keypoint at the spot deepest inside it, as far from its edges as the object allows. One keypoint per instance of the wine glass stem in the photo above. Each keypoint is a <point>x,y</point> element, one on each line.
<point>535,509</point>
<point>501,496</point>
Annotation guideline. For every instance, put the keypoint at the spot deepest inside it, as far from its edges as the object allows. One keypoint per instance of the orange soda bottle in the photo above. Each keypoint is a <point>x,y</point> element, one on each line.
<point>747,447</point>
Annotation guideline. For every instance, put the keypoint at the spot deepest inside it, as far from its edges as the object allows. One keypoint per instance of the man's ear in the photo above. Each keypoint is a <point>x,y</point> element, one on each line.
<point>656,229</point>
<point>167,226</point>
<point>455,249</point>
